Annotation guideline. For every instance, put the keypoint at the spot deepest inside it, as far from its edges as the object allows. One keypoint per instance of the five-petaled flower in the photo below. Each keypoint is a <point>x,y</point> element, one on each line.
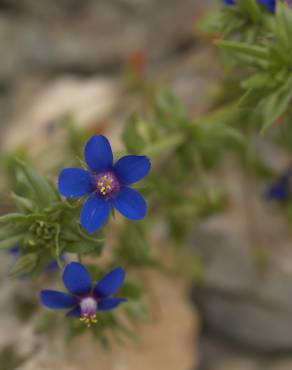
<point>106,184</point>
<point>85,299</point>
<point>269,4</point>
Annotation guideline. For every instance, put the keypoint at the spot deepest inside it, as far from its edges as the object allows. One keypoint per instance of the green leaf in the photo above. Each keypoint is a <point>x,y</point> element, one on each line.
<point>164,145</point>
<point>24,204</point>
<point>24,265</point>
<point>42,191</point>
<point>131,290</point>
<point>132,138</point>
<point>171,112</point>
<point>283,27</point>
<point>276,104</point>
<point>251,8</point>
<point>84,247</point>
<point>12,217</point>
<point>257,53</point>
<point>11,242</point>
<point>257,80</point>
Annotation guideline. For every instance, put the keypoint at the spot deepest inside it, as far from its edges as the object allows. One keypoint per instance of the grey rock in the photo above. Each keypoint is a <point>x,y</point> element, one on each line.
<point>246,293</point>
<point>284,364</point>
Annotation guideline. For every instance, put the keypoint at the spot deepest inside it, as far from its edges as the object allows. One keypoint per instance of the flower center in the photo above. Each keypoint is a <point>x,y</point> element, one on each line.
<point>107,184</point>
<point>88,307</point>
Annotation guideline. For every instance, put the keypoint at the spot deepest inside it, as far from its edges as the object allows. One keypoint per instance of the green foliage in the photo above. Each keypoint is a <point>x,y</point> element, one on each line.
<point>245,21</point>
<point>184,152</point>
<point>45,226</point>
<point>268,81</point>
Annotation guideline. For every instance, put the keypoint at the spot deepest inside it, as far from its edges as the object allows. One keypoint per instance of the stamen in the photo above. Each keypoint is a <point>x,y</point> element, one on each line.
<point>88,320</point>
<point>107,184</point>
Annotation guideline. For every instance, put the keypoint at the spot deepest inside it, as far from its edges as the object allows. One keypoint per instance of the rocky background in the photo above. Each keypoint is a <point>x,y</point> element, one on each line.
<point>70,56</point>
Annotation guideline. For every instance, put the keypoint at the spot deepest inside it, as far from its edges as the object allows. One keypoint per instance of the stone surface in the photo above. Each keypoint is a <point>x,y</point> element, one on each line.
<point>246,294</point>
<point>285,364</point>
<point>87,37</point>
<point>87,100</point>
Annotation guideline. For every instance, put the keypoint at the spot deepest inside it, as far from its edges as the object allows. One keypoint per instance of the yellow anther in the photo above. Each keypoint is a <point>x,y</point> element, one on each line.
<point>102,189</point>
<point>108,187</point>
<point>110,181</point>
<point>105,177</point>
<point>88,321</point>
<point>100,183</point>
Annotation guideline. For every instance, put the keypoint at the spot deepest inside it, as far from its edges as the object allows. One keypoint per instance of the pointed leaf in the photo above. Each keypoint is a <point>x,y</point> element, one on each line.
<point>24,204</point>
<point>11,242</point>
<point>43,192</point>
<point>24,265</point>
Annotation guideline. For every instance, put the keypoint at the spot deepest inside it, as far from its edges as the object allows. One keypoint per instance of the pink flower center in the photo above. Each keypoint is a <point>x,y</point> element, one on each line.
<point>88,308</point>
<point>107,184</point>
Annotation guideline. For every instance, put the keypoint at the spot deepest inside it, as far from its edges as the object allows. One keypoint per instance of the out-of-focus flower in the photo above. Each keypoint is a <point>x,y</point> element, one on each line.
<point>106,184</point>
<point>85,299</point>
<point>280,190</point>
<point>269,4</point>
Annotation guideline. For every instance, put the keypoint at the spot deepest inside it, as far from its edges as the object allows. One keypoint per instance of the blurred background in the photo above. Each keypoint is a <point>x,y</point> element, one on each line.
<point>88,59</point>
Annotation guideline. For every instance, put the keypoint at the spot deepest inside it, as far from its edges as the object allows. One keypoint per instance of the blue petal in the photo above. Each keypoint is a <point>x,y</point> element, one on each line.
<point>51,266</point>
<point>110,283</point>
<point>108,304</point>
<point>75,182</point>
<point>132,168</point>
<point>229,2</point>
<point>278,192</point>
<point>98,154</point>
<point>14,251</point>
<point>77,279</point>
<point>269,4</point>
<point>130,204</point>
<point>57,300</point>
<point>76,312</point>
<point>94,214</point>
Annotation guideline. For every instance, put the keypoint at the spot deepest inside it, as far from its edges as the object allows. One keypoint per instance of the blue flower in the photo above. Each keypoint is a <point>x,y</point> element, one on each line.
<point>269,4</point>
<point>84,298</point>
<point>106,184</point>
<point>280,190</point>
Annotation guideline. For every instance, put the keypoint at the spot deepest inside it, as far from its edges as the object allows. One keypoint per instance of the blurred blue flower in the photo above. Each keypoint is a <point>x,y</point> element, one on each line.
<point>106,184</point>
<point>269,4</point>
<point>280,190</point>
<point>85,299</point>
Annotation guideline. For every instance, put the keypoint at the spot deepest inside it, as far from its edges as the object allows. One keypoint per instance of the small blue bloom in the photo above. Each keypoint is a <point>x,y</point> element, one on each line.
<point>106,184</point>
<point>85,299</point>
<point>280,190</point>
<point>269,4</point>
